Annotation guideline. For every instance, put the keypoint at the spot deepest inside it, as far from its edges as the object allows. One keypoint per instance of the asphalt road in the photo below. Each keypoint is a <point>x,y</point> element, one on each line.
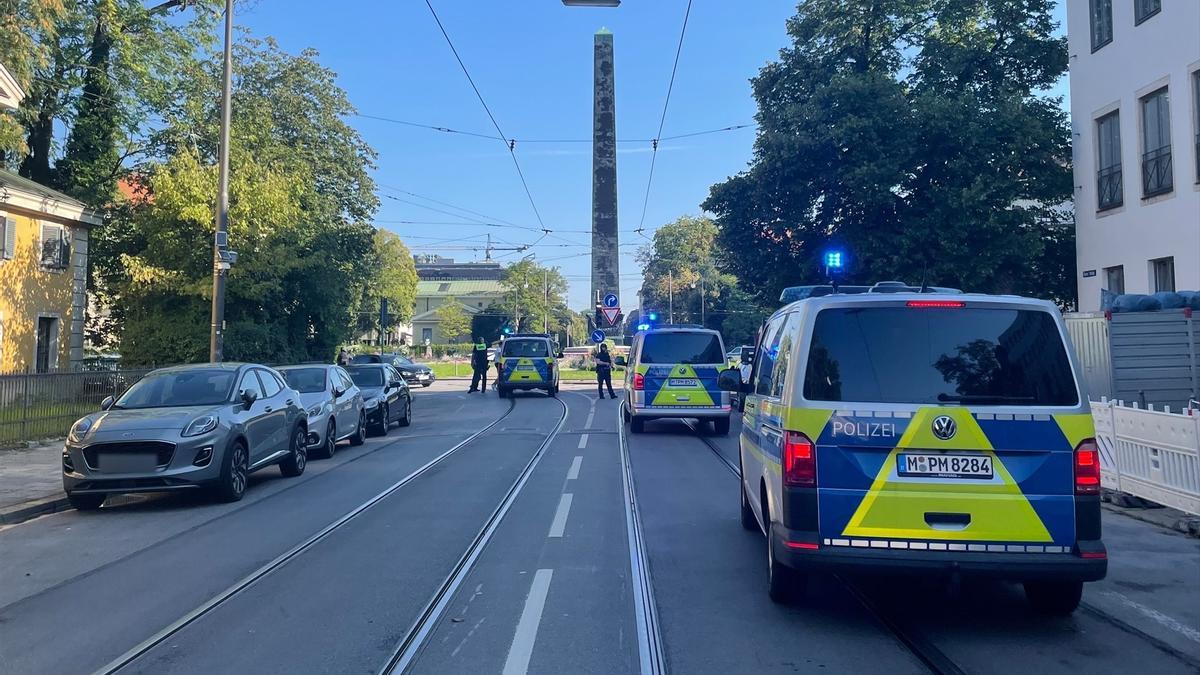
<point>530,535</point>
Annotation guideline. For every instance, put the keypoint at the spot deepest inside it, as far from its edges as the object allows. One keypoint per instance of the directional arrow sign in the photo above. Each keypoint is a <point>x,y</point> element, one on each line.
<point>610,300</point>
<point>597,336</point>
<point>610,314</point>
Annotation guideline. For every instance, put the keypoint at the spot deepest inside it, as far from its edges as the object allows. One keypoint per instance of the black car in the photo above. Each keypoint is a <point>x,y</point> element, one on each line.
<point>412,372</point>
<point>387,399</point>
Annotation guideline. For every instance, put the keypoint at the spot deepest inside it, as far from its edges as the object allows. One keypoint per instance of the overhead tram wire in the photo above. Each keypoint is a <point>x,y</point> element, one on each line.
<point>438,201</point>
<point>641,228</point>
<point>512,144</point>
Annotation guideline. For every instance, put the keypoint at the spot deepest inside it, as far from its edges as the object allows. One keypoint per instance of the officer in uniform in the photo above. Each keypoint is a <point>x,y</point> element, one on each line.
<point>604,363</point>
<point>479,364</point>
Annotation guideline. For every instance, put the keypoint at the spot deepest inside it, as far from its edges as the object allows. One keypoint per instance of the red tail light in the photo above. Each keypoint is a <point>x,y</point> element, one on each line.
<point>799,460</point>
<point>1087,468</point>
<point>936,304</point>
<point>639,381</point>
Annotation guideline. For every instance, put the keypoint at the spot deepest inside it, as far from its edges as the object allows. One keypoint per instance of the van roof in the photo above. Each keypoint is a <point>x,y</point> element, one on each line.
<point>969,299</point>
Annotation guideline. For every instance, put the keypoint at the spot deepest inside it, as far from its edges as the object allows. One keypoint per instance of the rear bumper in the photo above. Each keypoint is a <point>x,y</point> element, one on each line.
<point>519,384</point>
<point>658,413</point>
<point>1006,565</point>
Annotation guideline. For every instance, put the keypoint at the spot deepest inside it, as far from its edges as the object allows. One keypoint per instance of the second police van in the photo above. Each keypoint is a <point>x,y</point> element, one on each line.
<point>672,374</point>
<point>527,361</point>
<point>935,434</point>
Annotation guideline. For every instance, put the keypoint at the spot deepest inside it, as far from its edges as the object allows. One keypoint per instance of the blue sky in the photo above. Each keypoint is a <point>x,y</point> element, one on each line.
<point>532,60</point>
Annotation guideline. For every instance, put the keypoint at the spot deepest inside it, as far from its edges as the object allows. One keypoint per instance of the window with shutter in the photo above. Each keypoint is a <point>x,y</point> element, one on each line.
<point>56,249</point>
<point>8,236</point>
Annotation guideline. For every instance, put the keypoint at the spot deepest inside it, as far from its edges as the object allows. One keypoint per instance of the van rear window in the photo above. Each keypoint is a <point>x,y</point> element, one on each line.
<point>962,356</point>
<point>682,348</point>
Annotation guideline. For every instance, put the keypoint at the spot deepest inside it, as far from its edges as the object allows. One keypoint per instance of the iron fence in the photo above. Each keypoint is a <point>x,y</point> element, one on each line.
<point>43,405</point>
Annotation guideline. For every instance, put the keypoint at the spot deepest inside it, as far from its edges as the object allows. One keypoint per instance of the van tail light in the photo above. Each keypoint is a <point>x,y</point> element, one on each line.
<point>639,381</point>
<point>1087,468</point>
<point>799,460</point>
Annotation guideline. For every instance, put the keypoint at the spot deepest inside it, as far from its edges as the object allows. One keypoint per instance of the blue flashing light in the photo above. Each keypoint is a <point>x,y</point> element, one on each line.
<point>833,260</point>
<point>643,326</point>
<point>653,316</point>
<point>507,330</point>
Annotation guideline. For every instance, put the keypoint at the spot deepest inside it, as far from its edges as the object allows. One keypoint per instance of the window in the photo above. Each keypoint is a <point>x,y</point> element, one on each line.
<point>46,346</point>
<point>250,385</point>
<point>1196,114</point>
<point>526,348</point>
<point>1144,9</point>
<point>690,348</point>
<point>56,246</point>
<point>764,360</point>
<point>1163,272</point>
<point>427,334</point>
<point>1156,144</point>
<point>8,236</point>
<point>442,288</point>
<point>270,385</point>
<point>1114,279</point>
<point>971,355</point>
<point>787,338</point>
<point>1101,22</point>
<point>1109,191</point>
<point>179,388</point>
<point>306,380</point>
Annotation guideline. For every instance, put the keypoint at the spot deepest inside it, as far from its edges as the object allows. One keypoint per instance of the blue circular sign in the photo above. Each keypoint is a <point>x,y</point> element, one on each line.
<point>610,300</point>
<point>598,336</point>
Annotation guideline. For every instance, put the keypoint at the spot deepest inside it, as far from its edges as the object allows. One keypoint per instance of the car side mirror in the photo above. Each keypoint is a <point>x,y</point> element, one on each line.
<point>748,355</point>
<point>338,392</point>
<point>729,379</point>
<point>620,361</point>
<point>558,355</point>
<point>107,402</point>
<point>249,397</point>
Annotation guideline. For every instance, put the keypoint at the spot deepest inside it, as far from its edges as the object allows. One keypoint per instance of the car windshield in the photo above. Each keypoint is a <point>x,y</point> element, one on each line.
<point>366,358</point>
<point>682,347</point>
<point>963,355</point>
<point>367,377</point>
<point>305,380</point>
<point>179,388</point>
<point>401,360</point>
<point>519,348</point>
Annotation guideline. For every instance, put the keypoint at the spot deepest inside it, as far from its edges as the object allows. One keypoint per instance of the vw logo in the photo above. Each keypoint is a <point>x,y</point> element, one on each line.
<point>681,370</point>
<point>944,427</point>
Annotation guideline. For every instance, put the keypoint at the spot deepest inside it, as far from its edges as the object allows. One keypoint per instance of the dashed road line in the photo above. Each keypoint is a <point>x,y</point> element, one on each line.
<point>521,649</point>
<point>583,439</point>
<point>560,516</point>
<point>573,472</point>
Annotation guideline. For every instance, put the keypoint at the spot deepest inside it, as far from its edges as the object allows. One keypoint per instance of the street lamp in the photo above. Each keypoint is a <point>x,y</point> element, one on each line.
<point>223,258</point>
<point>592,3</point>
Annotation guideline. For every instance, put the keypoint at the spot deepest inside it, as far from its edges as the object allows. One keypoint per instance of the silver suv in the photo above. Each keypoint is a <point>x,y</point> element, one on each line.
<point>184,428</point>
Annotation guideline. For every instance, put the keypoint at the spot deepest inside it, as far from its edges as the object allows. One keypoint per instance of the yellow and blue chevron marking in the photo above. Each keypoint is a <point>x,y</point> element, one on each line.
<point>661,393</point>
<point>523,369</point>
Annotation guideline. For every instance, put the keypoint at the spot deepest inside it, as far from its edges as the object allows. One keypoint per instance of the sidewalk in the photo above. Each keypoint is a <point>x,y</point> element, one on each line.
<point>31,482</point>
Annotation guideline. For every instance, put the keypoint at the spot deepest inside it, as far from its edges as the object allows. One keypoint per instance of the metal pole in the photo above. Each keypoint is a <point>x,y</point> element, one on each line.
<point>216,343</point>
<point>701,301</point>
<point>546,290</point>
<point>671,297</point>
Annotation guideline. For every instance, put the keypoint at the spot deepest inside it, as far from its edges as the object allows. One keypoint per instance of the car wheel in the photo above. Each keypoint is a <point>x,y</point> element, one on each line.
<point>501,392</point>
<point>783,583</point>
<point>85,502</point>
<point>330,440</point>
<point>360,432</point>
<point>293,465</point>
<point>1056,598</point>
<point>426,384</point>
<point>553,391</point>
<point>721,426</point>
<point>234,471</point>
<point>637,425</point>
<point>385,421</point>
<point>407,419</point>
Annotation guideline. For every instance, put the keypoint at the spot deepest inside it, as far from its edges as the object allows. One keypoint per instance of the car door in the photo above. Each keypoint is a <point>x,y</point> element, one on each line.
<point>394,392</point>
<point>344,406</point>
<point>276,410</point>
<point>255,416</point>
<point>762,433</point>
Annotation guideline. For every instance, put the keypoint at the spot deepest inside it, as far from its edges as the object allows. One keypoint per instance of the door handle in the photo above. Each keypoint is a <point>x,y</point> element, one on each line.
<point>268,409</point>
<point>289,401</point>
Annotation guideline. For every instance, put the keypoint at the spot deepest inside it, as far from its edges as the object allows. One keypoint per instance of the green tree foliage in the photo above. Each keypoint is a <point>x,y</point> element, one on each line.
<point>395,278</point>
<point>914,134</point>
<point>533,292</point>
<point>27,30</point>
<point>305,253</point>
<point>453,320</point>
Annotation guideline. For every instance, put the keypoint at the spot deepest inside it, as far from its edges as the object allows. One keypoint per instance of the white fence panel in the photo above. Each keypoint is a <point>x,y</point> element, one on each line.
<point>1089,336</point>
<point>1150,454</point>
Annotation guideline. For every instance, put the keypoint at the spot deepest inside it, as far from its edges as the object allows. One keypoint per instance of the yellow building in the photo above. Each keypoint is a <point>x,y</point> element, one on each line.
<point>43,276</point>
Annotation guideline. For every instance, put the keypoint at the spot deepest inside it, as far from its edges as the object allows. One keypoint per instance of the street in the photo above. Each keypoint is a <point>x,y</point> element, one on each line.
<point>494,535</point>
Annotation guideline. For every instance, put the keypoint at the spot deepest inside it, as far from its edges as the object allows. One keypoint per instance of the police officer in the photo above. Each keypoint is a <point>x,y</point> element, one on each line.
<point>479,364</point>
<point>604,371</point>
<point>343,357</point>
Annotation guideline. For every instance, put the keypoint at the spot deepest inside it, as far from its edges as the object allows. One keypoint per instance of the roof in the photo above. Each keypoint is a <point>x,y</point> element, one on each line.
<point>23,193</point>
<point>443,289</point>
<point>966,299</point>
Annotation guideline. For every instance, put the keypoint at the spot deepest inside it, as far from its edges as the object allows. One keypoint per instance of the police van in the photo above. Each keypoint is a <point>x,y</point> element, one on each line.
<point>527,361</point>
<point>672,374</point>
<point>935,434</point>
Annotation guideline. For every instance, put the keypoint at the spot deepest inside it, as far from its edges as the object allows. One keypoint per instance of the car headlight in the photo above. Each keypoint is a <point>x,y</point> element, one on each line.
<point>371,402</point>
<point>200,425</point>
<point>80,429</point>
<point>316,410</point>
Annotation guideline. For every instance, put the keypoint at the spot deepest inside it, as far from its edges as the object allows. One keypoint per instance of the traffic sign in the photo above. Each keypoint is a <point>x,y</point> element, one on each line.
<point>610,300</point>
<point>598,336</point>
<point>611,314</point>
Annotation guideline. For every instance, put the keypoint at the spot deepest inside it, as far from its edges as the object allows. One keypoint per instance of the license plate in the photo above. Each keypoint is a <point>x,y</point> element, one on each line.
<point>683,382</point>
<point>937,465</point>
<point>111,462</point>
<point>526,368</point>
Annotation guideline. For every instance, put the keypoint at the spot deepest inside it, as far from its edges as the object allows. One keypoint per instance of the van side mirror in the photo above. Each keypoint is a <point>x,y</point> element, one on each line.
<point>107,402</point>
<point>729,379</point>
<point>748,355</point>
<point>558,355</point>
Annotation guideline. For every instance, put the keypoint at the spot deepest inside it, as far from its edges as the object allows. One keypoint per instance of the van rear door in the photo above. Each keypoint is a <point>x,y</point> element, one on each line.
<point>680,368</point>
<point>952,426</point>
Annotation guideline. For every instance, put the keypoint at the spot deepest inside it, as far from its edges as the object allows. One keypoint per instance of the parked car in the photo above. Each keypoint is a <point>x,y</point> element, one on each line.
<point>187,427</point>
<point>411,371</point>
<point>387,399</point>
<point>333,403</point>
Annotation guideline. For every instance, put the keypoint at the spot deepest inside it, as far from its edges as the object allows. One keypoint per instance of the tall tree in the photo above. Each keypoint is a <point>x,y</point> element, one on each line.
<point>913,133</point>
<point>532,293</point>
<point>681,272</point>
<point>453,320</point>
<point>27,30</point>
<point>395,278</point>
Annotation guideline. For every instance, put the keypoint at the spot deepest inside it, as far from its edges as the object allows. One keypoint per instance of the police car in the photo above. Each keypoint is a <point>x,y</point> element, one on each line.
<point>928,433</point>
<point>527,361</point>
<point>673,373</point>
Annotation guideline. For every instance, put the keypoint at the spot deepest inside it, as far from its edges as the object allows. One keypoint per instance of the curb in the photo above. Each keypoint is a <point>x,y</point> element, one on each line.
<point>1163,517</point>
<point>19,513</point>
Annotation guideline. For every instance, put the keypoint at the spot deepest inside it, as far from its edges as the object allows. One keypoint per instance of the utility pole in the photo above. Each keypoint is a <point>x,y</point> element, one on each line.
<point>546,291</point>
<point>671,297</point>
<point>222,257</point>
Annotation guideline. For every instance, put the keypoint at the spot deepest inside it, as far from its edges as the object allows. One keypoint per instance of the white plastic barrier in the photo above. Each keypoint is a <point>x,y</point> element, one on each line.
<point>1152,454</point>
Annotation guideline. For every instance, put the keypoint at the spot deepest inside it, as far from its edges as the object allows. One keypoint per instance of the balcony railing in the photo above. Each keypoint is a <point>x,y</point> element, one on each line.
<point>1156,172</point>
<point>1108,187</point>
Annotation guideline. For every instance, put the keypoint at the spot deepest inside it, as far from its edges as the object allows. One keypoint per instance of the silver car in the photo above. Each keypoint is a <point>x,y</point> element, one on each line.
<point>334,405</point>
<point>185,428</point>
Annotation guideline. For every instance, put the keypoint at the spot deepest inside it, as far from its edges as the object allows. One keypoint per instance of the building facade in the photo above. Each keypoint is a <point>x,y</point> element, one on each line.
<point>475,296</point>
<point>43,276</point>
<point>1135,118</point>
<point>439,268</point>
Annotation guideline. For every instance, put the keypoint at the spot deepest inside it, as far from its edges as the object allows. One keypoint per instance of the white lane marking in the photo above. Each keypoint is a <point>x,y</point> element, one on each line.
<point>521,649</point>
<point>1155,615</point>
<point>583,441</point>
<point>591,416</point>
<point>573,472</point>
<point>560,516</point>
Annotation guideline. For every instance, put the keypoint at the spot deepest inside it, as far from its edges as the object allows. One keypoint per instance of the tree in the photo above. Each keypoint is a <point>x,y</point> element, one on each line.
<point>681,273</point>
<point>453,320</point>
<point>395,279</point>
<point>27,30</point>
<point>532,293</point>
<point>911,133</point>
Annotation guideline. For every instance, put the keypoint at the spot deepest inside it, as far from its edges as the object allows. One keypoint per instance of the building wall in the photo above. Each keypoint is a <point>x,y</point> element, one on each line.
<point>1164,50</point>
<point>29,291</point>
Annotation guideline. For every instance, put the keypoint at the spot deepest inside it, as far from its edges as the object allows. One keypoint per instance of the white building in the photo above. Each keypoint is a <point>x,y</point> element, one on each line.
<point>1135,115</point>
